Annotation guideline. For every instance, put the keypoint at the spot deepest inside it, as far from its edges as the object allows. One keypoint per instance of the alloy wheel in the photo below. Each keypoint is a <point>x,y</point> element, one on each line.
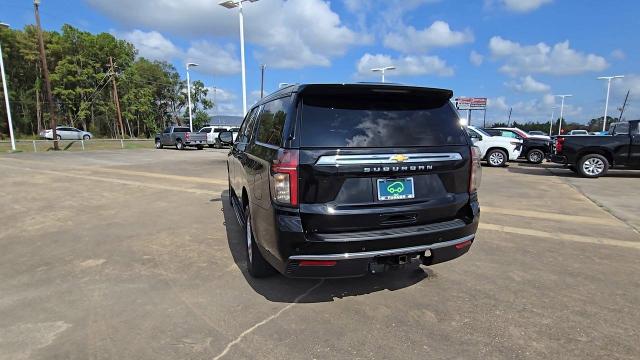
<point>593,166</point>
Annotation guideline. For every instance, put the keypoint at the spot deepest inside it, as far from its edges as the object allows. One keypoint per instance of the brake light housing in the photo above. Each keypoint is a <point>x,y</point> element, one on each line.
<point>559,145</point>
<point>476,169</point>
<point>284,177</point>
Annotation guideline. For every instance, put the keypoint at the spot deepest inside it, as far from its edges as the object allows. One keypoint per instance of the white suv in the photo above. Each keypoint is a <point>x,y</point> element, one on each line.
<point>496,150</point>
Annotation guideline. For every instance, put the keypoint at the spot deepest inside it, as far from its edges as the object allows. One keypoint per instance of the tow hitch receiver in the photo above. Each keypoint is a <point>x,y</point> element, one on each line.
<point>385,263</point>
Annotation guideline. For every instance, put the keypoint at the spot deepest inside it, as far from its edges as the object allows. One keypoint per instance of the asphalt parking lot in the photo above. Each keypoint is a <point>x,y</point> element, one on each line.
<point>137,255</point>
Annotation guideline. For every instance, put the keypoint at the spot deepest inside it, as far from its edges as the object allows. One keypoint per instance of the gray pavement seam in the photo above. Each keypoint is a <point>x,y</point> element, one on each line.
<point>274,316</point>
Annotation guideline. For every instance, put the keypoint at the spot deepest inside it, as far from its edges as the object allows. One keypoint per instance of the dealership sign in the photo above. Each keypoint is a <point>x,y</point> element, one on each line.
<point>471,103</point>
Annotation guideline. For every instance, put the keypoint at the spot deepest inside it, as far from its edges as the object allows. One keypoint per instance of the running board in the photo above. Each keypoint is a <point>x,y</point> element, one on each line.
<point>235,204</point>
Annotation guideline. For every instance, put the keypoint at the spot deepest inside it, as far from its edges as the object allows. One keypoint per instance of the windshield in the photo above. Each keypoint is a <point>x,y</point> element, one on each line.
<point>481,131</point>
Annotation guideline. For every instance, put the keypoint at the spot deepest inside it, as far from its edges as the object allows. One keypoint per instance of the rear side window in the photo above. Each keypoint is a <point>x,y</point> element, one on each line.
<point>180,129</point>
<point>379,121</point>
<point>205,130</point>
<point>271,122</point>
<point>218,130</point>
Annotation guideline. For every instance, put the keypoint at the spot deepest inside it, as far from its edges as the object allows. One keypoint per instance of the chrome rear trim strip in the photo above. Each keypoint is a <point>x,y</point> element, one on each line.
<point>337,160</point>
<point>389,252</point>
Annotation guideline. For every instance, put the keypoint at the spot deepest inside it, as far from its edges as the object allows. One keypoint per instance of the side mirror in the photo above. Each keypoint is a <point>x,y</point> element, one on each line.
<point>226,137</point>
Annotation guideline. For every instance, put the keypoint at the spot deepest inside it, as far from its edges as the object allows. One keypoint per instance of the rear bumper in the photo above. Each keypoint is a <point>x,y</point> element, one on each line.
<point>360,263</point>
<point>356,254</point>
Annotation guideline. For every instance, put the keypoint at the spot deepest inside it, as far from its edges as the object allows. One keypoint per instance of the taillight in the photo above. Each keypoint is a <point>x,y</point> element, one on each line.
<point>559,145</point>
<point>284,178</point>
<point>476,170</point>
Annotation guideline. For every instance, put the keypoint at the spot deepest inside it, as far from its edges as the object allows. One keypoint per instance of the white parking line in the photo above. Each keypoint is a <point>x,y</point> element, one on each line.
<point>116,181</point>
<point>561,236</point>
<point>606,220</point>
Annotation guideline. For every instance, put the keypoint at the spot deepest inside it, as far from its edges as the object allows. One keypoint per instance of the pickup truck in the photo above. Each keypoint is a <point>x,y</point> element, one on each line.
<point>592,156</point>
<point>180,137</point>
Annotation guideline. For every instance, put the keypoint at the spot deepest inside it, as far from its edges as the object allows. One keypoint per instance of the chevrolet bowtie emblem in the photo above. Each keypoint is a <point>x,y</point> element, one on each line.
<point>399,158</point>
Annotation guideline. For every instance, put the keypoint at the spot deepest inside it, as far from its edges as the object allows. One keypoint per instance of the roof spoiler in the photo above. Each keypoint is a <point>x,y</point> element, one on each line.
<point>364,89</point>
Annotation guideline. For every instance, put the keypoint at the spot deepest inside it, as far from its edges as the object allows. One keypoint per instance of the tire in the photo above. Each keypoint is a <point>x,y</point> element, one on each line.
<point>58,137</point>
<point>179,145</point>
<point>210,145</point>
<point>158,144</point>
<point>535,156</point>
<point>497,158</point>
<point>200,147</point>
<point>257,266</point>
<point>593,166</point>
<point>86,137</point>
<point>218,145</point>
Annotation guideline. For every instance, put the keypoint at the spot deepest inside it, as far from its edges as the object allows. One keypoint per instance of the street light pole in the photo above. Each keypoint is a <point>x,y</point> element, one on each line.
<point>553,112</point>
<point>382,70</point>
<point>6,94</point>
<point>606,104</point>
<point>230,4</point>
<point>189,65</point>
<point>561,111</point>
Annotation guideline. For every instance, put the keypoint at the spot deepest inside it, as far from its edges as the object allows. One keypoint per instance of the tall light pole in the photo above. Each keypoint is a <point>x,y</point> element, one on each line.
<point>231,4</point>
<point>190,65</point>
<point>606,105</point>
<point>553,112</point>
<point>6,94</point>
<point>382,70</point>
<point>561,111</point>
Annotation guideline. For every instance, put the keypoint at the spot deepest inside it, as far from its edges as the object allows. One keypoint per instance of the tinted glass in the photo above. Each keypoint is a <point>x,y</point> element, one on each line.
<point>508,134</point>
<point>378,121</point>
<point>180,129</point>
<point>247,127</point>
<point>272,119</point>
<point>166,131</point>
<point>219,130</point>
<point>622,128</point>
<point>205,130</point>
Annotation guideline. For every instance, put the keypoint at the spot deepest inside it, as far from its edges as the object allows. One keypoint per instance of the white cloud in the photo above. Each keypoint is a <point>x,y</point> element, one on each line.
<point>529,84</point>
<point>476,58</point>
<point>536,110</point>
<point>619,88</point>
<point>212,58</point>
<point>289,34</point>
<point>151,45</point>
<point>225,102</point>
<point>439,34</point>
<point>542,58</point>
<point>618,54</point>
<point>406,65</point>
<point>520,6</point>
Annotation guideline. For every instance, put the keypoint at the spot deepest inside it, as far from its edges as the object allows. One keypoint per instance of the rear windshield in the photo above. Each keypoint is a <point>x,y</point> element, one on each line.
<point>378,121</point>
<point>180,129</point>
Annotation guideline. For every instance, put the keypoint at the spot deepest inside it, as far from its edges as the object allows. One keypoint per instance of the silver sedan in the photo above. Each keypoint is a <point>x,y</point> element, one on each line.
<point>67,133</point>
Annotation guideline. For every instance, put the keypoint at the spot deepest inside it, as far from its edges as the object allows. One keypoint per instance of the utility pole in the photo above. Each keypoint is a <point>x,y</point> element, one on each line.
<point>262,67</point>
<point>116,99</point>
<point>45,74</point>
<point>509,121</point>
<point>624,105</point>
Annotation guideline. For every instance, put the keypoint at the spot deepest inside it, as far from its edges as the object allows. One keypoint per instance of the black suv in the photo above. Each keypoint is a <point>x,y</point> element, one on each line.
<point>343,180</point>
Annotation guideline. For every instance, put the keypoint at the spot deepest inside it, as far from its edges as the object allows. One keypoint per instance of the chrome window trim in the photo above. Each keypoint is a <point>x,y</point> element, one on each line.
<point>373,159</point>
<point>389,252</point>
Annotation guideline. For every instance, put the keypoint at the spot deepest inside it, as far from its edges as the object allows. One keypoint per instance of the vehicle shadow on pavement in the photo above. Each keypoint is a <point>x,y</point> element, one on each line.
<point>279,288</point>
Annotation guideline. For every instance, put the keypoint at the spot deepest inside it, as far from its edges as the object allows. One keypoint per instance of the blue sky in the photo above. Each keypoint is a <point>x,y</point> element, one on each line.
<point>515,52</point>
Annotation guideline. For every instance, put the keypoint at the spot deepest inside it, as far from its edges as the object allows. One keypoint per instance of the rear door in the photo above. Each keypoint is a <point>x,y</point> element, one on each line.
<point>376,158</point>
<point>634,153</point>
